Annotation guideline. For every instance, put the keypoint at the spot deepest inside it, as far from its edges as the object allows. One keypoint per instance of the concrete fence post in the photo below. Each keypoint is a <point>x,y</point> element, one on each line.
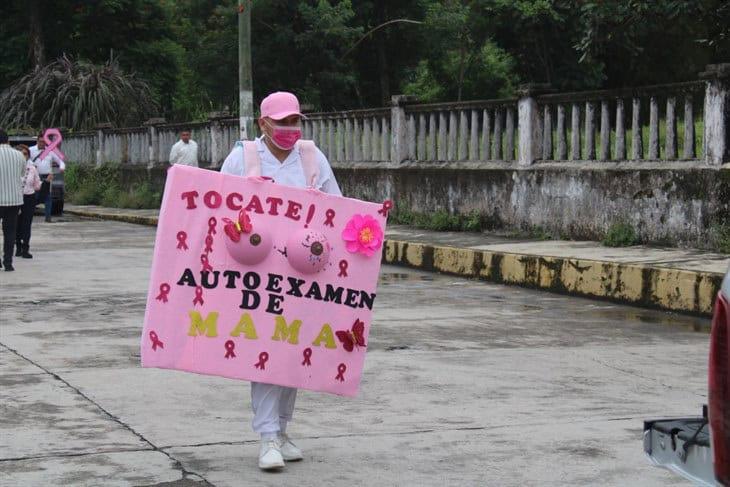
<point>529,123</point>
<point>398,128</point>
<point>717,113</point>
<point>217,151</point>
<point>100,136</point>
<point>153,138</point>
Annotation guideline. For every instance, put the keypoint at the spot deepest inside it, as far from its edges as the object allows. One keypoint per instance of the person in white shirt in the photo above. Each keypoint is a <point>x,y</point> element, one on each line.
<point>45,170</point>
<point>280,158</point>
<point>184,151</point>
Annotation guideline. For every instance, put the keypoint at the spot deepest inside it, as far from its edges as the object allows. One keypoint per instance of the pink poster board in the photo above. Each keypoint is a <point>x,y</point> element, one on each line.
<point>258,281</point>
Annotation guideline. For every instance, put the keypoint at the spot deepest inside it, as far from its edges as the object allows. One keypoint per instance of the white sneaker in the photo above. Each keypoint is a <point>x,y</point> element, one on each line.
<point>289,450</point>
<point>270,455</point>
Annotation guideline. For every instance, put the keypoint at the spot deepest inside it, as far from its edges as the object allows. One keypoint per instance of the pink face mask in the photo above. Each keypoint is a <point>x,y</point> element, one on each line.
<point>285,137</point>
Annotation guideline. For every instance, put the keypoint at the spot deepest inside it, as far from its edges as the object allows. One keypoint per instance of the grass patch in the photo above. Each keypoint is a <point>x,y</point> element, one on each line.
<point>101,186</point>
<point>441,221</point>
<point>535,232</point>
<point>620,235</point>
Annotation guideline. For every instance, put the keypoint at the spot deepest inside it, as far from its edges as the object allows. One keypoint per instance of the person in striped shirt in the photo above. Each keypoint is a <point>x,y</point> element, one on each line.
<point>12,168</point>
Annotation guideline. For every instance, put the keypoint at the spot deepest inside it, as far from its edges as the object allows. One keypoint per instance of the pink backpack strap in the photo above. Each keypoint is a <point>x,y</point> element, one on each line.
<point>251,159</point>
<point>310,164</point>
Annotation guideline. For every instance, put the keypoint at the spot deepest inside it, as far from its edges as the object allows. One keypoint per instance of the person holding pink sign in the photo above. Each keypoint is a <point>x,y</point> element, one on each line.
<point>280,155</point>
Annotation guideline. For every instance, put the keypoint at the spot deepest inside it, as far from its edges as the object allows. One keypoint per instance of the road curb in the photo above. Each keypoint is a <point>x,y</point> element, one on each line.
<point>120,217</point>
<point>663,288</point>
<point>648,286</point>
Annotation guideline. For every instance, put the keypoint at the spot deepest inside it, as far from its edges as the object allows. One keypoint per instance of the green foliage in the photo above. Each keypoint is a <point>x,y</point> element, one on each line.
<point>490,69</point>
<point>75,94</point>
<point>621,234</point>
<point>71,179</point>
<point>101,186</point>
<point>720,235</point>
<point>87,185</point>
<point>534,232</point>
<point>142,196</point>
<point>441,220</point>
<point>340,54</point>
<point>638,33</point>
<point>110,196</point>
<point>473,222</point>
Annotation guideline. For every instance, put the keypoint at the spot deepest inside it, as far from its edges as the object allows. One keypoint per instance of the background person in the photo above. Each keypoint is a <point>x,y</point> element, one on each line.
<point>184,151</point>
<point>280,159</point>
<point>31,185</point>
<point>45,170</point>
<point>12,167</point>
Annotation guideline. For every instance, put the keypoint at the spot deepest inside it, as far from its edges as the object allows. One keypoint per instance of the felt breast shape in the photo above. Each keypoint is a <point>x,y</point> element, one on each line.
<point>248,242</point>
<point>308,251</point>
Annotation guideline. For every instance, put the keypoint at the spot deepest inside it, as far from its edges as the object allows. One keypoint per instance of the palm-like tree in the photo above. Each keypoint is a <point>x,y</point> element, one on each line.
<point>78,95</point>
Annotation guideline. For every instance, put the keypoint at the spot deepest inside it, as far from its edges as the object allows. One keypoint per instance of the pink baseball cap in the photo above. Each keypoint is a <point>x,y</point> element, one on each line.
<point>280,105</point>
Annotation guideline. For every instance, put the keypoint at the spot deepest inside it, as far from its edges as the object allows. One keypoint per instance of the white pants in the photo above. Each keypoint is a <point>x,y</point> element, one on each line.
<point>273,407</point>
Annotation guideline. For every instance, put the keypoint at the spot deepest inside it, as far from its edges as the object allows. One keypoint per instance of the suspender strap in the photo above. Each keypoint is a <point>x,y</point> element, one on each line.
<point>251,159</point>
<point>309,162</point>
<point>308,151</point>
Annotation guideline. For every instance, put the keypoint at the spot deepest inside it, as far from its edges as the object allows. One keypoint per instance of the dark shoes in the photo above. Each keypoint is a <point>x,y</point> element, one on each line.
<point>22,251</point>
<point>9,268</point>
<point>48,219</point>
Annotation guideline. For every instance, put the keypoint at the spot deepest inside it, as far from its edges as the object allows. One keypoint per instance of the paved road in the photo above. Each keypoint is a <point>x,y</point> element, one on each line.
<point>466,383</point>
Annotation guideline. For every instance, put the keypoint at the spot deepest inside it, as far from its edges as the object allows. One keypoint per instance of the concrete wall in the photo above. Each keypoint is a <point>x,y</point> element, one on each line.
<point>669,203</point>
<point>673,203</point>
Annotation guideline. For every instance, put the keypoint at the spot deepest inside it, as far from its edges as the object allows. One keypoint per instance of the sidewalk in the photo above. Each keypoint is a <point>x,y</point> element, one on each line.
<point>671,279</point>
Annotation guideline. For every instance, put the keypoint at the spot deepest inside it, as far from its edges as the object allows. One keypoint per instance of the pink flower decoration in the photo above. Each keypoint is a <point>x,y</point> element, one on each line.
<point>363,234</point>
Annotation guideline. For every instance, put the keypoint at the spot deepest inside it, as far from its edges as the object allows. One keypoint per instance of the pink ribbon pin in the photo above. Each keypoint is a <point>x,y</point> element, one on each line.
<point>206,264</point>
<point>230,346</point>
<point>343,268</point>
<point>307,356</point>
<point>164,291</point>
<point>212,222</point>
<point>341,372</point>
<point>198,296</point>
<point>387,206</point>
<point>156,342</point>
<point>208,243</point>
<point>263,358</point>
<point>330,216</point>
<point>181,237</point>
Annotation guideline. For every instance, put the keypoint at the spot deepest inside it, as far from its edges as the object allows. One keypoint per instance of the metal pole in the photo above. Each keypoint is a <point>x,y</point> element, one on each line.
<point>245,82</point>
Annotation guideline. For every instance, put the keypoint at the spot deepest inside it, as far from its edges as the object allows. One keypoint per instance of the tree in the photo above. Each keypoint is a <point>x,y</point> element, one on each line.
<point>340,54</point>
<point>462,59</point>
<point>36,46</point>
<point>76,95</point>
<point>644,41</point>
<point>137,33</point>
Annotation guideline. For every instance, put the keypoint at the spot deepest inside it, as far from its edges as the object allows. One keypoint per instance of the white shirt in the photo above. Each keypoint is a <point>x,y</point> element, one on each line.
<point>31,179</point>
<point>290,172</point>
<point>45,165</point>
<point>185,154</point>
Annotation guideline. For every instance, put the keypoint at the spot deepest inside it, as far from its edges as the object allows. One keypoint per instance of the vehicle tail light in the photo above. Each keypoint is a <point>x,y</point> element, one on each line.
<point>719,390</point>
